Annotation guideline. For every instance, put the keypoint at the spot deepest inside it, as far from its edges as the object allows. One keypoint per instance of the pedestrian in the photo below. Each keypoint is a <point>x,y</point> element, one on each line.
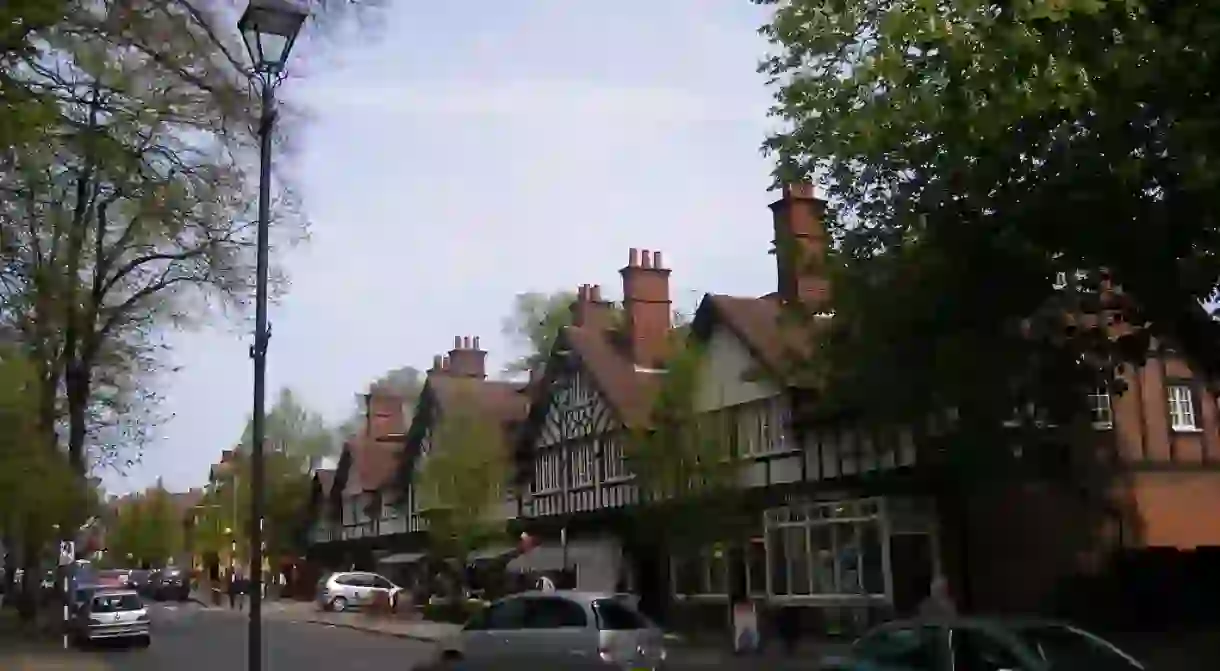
<point>233,586</point>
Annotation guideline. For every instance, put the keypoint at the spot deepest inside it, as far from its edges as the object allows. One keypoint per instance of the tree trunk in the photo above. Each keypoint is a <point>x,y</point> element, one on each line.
<point>27,603</point>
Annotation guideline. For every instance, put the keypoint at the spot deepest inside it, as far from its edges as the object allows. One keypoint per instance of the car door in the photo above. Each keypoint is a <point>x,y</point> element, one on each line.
<point>557,630</point>
<point>362,585</point>
<point>975,649</point>
<point>903,648</point>
<point>487,639</point>
<point>382,585</point>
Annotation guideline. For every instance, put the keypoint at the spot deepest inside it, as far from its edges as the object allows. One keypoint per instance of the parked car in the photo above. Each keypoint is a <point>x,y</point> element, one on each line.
<point>138,580</point>
<point>353,589</point>
<point>114,576</point>
<point>111,614</point>
<point>982,644</point>
<point>170,584</point>
<point>563,629</point>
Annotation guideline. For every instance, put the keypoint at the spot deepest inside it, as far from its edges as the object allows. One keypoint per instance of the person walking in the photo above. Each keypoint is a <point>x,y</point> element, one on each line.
<point>232,589</point>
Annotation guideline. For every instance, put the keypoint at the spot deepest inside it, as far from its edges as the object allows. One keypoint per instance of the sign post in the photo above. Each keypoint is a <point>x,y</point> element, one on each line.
<point>67,556</point>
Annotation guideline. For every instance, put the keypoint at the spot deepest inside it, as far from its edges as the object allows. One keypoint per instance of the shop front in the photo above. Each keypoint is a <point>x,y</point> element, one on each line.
<point>831,566</point>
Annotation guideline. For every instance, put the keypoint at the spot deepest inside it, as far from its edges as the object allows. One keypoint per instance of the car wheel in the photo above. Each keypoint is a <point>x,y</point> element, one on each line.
<point>338,604</point>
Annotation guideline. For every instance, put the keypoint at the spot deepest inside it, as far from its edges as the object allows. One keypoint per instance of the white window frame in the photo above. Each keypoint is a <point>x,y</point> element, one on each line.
<point>613,465</point>
<point>1101,408</point>
<point>582,464</point>
<point>1181,398</point>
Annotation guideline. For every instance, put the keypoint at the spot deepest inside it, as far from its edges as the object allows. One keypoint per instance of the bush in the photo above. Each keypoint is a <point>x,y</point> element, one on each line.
<point>456,612</point>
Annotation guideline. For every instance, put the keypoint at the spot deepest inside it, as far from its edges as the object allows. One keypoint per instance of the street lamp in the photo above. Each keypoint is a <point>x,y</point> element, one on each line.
<point>269,29</point>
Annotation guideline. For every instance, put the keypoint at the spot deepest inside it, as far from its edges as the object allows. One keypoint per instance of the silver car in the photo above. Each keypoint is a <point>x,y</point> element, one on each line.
<point>561,630</point>
<point>113,613</point>
<point>353,589</point>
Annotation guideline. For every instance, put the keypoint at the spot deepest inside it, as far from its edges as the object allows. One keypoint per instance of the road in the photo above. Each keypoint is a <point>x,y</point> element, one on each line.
<point>190,638</point>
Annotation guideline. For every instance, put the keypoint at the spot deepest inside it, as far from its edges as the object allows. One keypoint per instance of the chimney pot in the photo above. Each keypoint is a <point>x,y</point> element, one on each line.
<point>582,292</point>
<point>476,342</point>
<point>466,342</point>
<point>633,258</point>
<point>445,363</point>
<point>457,342</point>
<point>800,246</point>
<point>595,293</point>
<point>656,261</point>
<point>436,362</point>
<point>647,306</point>
<point>466,360</point>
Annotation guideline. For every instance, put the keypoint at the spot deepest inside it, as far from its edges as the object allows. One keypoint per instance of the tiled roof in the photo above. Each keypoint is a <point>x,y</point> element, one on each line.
<point>504,401</point>
<point>372,465</point>
<point>761,326</point>
<point>629,391</point>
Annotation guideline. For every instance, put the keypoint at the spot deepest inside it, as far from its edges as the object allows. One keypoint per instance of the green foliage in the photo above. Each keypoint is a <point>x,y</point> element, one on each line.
<point>533,323</point>
<point>37,488</point>
<point>971,151</point>
<point>463,479</point>
<point>146,530</point>
<point>294,429</point>
<point>684,462</point>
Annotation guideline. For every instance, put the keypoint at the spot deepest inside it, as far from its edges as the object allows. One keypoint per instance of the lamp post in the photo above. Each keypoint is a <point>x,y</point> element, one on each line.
<point>269,29</point>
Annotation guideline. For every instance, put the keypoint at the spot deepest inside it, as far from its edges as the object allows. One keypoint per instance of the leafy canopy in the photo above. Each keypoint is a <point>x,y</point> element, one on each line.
<point>970,152</point>
<point>463,479</point>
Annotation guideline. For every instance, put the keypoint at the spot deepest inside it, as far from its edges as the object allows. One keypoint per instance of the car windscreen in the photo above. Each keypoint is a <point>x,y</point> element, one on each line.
<point>615,615</point>
<point>1068,648</point>
<point>115,603</point>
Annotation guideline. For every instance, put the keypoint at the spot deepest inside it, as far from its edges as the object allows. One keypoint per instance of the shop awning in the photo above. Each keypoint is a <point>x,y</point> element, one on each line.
<point>490,554</point>
<point>541,558</point>
<point>402,558</point>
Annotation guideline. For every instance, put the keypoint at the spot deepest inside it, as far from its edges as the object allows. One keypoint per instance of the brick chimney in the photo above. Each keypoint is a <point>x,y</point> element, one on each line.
<point>383,415</point>
<point>800,246</point>
<point>590,310</point>
<point>467,359</point>
<point>646,306</point>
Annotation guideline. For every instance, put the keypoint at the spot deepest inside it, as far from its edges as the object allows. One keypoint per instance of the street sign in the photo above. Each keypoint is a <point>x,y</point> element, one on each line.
<point>67,552</point>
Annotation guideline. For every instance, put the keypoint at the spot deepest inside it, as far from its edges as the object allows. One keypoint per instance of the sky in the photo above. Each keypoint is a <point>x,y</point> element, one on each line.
<point>458,153</point>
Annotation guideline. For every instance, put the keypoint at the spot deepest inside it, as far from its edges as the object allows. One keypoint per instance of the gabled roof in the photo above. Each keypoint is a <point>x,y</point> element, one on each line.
<point>761,325</point>
<point>506,402</point>
<point>602,354</point>
<point>366,465</point>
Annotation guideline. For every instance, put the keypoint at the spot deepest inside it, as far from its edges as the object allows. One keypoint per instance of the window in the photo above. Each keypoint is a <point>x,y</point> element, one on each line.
<point>614,615</point>
<point>829,549</point>
<point>1182,408</point>
<point>506,615</point>
<point>908,648</point>
<point>381,583</point>
<point>1068,648</point>
<point>116,603</point>
<point>703,573</point>
<point>975,650</point>
<point>554,613</point>
<point>612,460</point>
<point>582,465</point>
<point>1100,410</point>
<point>548,470</point>
<point>756,568</point>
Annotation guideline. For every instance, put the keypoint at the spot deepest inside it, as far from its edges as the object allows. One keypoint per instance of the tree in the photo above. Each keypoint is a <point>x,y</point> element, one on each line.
<point>462,481</point>
<point>683,460</point>
<point>295,431</point>
<point>1030,139</point>
<point>35,491</point>
<point>146,530</point>
<point>532,325</point>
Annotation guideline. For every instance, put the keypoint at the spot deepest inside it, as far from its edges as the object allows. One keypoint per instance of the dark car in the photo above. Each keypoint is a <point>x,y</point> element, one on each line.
<point>139,580</point>
<point>989,644</point>
<point>170,584</point>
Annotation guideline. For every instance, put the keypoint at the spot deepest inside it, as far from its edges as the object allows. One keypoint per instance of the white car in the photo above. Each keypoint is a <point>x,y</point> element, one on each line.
<point>354,589</point>
<point>113,613</point>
